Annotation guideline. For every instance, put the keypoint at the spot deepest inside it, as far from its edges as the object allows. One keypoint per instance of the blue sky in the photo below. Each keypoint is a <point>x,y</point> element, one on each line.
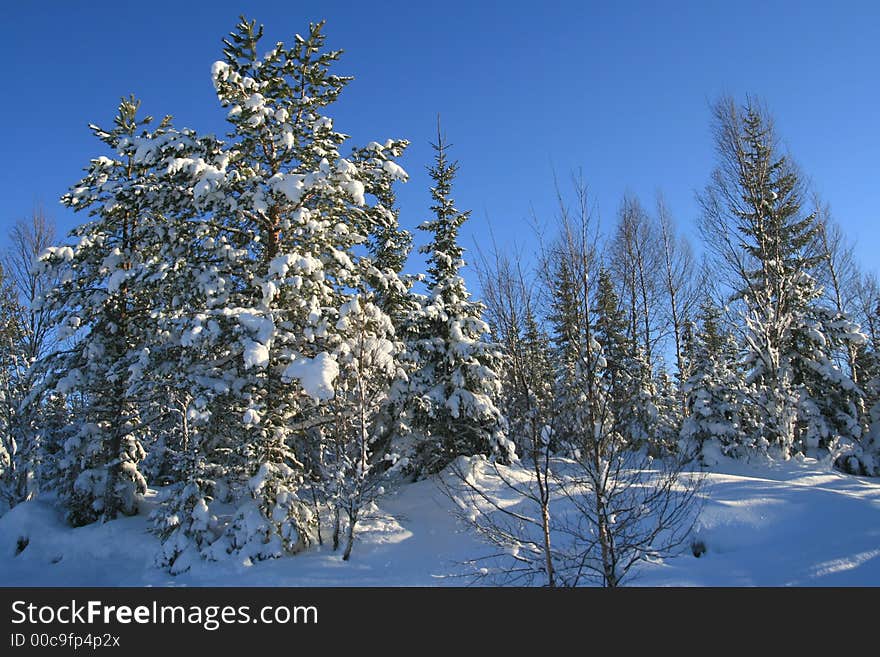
<point>619,90</point>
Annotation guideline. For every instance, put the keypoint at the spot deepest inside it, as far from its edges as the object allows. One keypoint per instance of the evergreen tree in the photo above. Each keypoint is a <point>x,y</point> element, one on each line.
<point>718,420</point>
<point>627,375</point>
<point>185,522</point>
<point>535,376</point>
<point>455,384</point>
<point>754,222</point>
<point>566,317</point>
<point>862,457</point>
<point>209,298</point>
<point>611,332</point>
<point>120,291</point>
<point>389,245</point>
<point>102,298</point>
<point>287,216</point>
<point>669,419</point>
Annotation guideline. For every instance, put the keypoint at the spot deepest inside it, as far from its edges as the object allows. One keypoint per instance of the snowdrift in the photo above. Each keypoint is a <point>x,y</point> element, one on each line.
<point>794,523</point>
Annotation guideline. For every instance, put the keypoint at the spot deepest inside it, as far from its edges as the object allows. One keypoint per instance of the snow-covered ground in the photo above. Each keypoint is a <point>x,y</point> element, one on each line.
<point>774,524</point>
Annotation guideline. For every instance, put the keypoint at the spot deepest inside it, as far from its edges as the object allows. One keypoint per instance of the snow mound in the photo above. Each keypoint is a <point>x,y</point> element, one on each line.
<point>316,375</point>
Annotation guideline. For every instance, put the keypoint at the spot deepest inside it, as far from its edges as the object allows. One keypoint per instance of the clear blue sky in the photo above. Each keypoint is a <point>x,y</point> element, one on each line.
<point>620,90</point>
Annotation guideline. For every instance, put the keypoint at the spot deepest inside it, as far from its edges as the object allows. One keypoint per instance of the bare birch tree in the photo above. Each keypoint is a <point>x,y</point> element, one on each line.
<point>28,239</point>
<point>28,336</point>
<point>679,285</point>
<point>636,258</point>
<point>589,513</point>
<point>839,273</point>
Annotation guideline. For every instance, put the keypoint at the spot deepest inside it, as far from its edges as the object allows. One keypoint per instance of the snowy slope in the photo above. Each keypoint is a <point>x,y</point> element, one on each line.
<point>773,524</point>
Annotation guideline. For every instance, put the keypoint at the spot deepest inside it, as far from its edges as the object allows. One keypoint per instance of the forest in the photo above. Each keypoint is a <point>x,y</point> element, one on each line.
<point>236,322</point>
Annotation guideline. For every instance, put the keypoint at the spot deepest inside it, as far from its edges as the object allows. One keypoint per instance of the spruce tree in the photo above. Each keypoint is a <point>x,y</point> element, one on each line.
<point>389,245</point>
<point>565,317</point>
<point>719,420</point>
<point>862,457</point>
<point>611,332</point>
<point>762,238</point>
<point>454,386</point>
<point>533,387</point>
<point>664,435</point>
<point>629,383</point>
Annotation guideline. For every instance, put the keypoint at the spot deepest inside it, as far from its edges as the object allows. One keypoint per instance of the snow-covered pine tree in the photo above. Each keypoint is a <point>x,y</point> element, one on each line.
<point>101,296</point>
<point>453,389</point>
<point>389,247</point>
<point>283,217</point>
<point>618,350</point>
<point>125,283</point>
<point>196,449</point>
<point>185,523</point>
<point>830,408</point>
<point>763,240</point>
<point>718,420</point>
<point>862,457</point>
<point>610,329</point>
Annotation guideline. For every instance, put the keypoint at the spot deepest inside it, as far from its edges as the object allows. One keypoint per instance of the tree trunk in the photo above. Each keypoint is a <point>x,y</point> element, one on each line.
<point>544,496</point>
<point>349,537</point>
<point>317,515</point>
<point>336,528</point>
